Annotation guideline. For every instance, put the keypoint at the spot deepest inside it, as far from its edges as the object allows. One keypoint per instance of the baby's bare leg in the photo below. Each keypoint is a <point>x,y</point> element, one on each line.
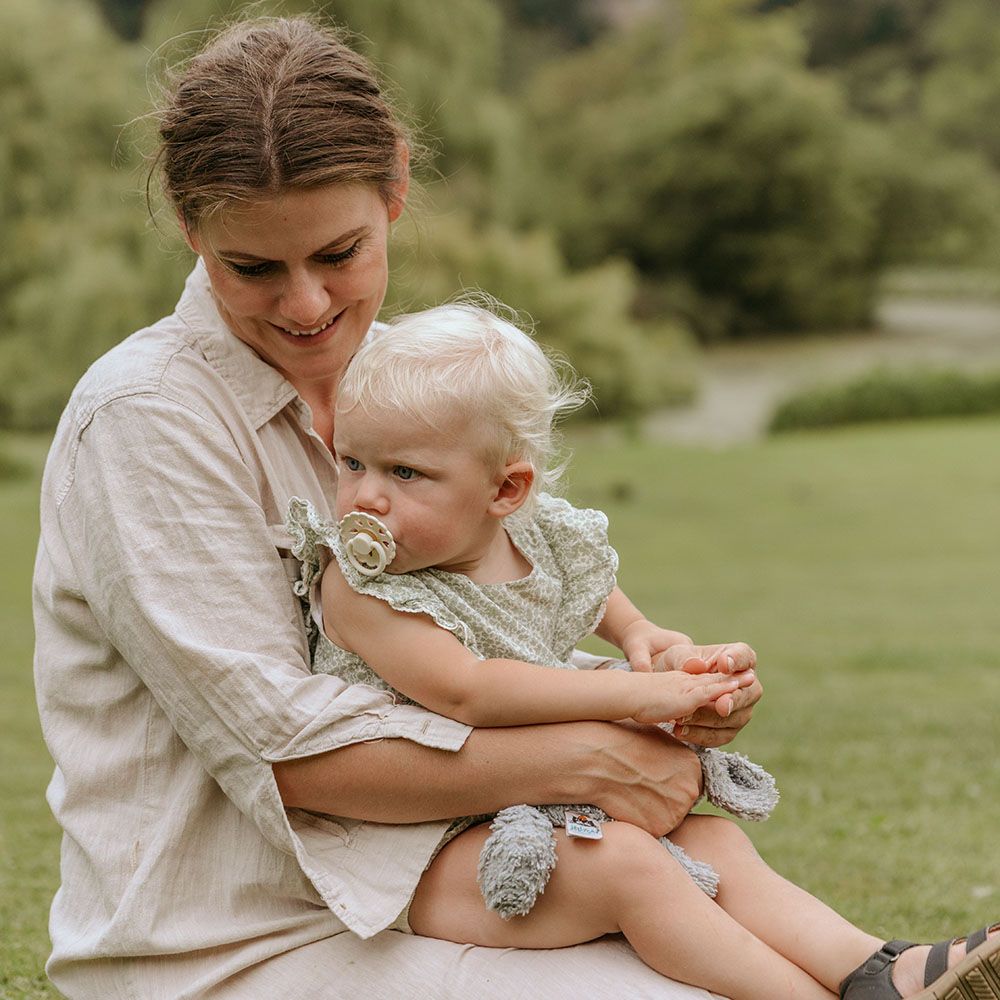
<point>795,924</point>
<point>626,882</point>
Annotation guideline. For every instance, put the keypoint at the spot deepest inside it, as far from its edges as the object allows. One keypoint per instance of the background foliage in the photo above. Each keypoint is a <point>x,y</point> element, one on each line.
<point>633,175</point>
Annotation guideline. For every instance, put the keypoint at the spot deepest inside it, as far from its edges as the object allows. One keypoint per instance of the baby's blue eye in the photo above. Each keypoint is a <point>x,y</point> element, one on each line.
<point>353,464</point>
<point>404,472</point>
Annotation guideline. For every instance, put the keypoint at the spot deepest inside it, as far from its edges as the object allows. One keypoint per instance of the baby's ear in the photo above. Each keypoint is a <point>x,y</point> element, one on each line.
<point>513,488</point>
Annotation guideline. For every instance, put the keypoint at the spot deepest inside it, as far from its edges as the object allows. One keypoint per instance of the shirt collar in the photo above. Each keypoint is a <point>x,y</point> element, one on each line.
<point>261,389</point>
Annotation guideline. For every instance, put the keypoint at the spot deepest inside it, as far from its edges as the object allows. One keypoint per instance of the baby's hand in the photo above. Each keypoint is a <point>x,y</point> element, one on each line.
<point>642,640</point>
<point>666,697</point>
<point>734,658</point>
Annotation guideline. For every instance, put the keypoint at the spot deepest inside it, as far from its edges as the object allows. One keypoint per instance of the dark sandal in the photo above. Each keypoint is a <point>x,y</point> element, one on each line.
<point>975,977</point>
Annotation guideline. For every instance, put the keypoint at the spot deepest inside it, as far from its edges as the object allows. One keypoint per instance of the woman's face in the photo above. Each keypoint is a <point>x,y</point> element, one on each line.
<point>301,276</point>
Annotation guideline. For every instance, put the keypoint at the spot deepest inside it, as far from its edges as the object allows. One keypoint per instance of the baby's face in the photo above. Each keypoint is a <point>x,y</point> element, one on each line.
<point>431,487</point>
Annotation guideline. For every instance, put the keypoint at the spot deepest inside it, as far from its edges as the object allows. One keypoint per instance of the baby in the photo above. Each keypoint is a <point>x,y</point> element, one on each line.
<point>459,583</point>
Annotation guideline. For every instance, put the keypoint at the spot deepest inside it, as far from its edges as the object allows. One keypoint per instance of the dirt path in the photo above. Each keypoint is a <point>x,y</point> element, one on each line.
<point>742,383</point>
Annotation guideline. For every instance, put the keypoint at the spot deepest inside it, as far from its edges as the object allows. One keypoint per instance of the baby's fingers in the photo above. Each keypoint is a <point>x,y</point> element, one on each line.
<point>640,661</point>
<point>708,688</point>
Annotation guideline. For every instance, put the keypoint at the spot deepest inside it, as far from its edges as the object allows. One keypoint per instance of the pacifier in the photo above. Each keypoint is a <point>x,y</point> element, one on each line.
<point>367,542</point>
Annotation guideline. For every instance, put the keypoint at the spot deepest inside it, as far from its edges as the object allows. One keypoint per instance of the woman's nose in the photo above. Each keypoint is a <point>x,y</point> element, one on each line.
<point>305,302</point>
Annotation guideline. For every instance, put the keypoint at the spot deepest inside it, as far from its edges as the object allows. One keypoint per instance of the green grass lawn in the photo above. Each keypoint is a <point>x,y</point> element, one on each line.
<point>862,565</point>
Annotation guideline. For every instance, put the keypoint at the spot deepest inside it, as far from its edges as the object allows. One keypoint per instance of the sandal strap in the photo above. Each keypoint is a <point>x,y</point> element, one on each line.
<point>873,978</point>
<point>937,962</point>
<point>977,938</point>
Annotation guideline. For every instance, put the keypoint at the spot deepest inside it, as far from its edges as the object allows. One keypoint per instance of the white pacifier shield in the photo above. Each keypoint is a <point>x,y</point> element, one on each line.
<point>368,543</point>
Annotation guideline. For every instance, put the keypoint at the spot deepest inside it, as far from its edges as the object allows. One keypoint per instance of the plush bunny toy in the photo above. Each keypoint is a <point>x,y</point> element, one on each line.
<point>519,855</point>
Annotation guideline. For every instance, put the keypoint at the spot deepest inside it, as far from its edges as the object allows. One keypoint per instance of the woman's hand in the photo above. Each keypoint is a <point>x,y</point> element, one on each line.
<point>637,774</point>
<point>717,724</point>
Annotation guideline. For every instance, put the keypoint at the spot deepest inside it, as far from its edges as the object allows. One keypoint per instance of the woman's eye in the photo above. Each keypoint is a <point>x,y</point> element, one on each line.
<point>265,267</point>
<point>405,472</point>
<point>353,464</point>
<point>341,256</point>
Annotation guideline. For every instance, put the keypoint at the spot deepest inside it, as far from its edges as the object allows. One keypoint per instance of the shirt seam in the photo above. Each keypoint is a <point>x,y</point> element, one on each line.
<point>117,397</point>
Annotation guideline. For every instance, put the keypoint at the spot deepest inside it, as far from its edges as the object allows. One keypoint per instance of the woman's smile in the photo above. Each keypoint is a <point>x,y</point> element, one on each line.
<point>300,278</point>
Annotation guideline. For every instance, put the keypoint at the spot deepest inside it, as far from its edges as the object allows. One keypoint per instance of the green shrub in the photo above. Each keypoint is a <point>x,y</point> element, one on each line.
<point>890,395</point>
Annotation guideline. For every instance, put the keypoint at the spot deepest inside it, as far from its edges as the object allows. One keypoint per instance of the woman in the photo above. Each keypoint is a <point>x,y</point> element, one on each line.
<point>172,663</point>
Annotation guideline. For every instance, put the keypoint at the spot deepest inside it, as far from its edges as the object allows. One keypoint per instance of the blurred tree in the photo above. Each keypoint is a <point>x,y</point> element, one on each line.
<point>575,22</point>
<point>84,271</point>
<point>741,183</point>
<point>878,48</point>
<point>961,89</point>
<point>125,16</point>
<point>699,146</point>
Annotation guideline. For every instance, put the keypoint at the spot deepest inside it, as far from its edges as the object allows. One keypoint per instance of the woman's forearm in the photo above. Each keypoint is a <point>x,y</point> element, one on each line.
<point>636,774</point>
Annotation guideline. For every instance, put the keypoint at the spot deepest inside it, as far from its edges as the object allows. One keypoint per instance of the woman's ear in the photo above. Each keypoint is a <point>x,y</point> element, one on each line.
<point>513,489</point>
<point>400,188</point>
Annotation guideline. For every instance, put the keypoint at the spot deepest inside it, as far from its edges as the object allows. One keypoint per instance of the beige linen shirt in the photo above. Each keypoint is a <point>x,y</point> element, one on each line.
<point>172,671</point>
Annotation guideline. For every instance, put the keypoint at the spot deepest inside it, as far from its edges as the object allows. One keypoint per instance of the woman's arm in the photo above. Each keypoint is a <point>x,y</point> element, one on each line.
<point>637,774</point>
<point>429,665</point>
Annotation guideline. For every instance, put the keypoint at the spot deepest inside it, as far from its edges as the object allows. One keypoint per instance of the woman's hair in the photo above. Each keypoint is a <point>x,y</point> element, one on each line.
<point>271,104</point>
<point>468,361</point>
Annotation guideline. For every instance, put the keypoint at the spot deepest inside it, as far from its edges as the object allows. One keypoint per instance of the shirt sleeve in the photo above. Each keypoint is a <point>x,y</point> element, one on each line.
<point>164,524</point>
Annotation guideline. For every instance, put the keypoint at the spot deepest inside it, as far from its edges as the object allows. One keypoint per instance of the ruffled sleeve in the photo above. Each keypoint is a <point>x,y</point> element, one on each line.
<point>407,592</point>
<point>585,560</point>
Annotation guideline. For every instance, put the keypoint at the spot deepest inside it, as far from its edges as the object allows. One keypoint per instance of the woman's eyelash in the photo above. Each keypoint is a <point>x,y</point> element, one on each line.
<point>250,270</point>
<point>339,258</point>
<point>266,267</point>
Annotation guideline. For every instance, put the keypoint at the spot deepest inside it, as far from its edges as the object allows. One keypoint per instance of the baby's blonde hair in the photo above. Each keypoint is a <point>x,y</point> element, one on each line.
<point>468,359</point>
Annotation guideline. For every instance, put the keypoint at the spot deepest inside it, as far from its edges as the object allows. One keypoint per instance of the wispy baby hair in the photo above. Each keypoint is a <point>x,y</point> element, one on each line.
<point>469,360</point>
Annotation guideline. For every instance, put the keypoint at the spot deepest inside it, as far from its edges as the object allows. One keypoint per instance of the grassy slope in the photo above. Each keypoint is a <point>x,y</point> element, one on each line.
<point>861,564</point>
<point>29,843</point>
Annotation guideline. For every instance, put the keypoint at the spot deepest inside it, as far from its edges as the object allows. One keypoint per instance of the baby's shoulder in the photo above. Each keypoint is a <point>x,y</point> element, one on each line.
<point>560,523</point>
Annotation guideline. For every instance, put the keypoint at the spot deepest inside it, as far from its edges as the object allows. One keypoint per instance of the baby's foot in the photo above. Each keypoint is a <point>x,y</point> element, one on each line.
<point>908,969</point>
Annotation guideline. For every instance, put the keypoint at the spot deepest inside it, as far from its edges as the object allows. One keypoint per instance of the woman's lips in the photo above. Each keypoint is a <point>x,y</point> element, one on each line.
<point>313,336</point>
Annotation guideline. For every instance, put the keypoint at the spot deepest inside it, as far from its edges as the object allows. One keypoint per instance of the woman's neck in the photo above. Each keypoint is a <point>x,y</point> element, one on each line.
<point>322,402</point>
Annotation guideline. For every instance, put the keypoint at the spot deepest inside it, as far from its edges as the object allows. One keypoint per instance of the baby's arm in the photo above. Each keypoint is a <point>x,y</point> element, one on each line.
<point>624,626</point>
<point>429,664</point>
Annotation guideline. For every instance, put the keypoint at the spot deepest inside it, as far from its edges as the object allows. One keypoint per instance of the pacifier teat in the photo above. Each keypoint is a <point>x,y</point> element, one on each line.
<point>367,542</point>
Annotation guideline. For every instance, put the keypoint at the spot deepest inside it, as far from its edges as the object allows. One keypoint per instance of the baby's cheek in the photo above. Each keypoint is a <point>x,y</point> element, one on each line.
<point>431,536</point>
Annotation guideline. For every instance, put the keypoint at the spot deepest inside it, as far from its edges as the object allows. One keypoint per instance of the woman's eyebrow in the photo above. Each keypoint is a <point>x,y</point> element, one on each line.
<point>343,238</point>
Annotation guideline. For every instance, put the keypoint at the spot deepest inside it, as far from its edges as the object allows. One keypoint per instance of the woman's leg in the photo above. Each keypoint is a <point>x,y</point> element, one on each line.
<point>626,882</point>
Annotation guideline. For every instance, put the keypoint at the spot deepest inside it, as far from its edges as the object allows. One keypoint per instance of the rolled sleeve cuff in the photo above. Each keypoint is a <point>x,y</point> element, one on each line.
<point>366,873</point>
<point>362,714</point>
